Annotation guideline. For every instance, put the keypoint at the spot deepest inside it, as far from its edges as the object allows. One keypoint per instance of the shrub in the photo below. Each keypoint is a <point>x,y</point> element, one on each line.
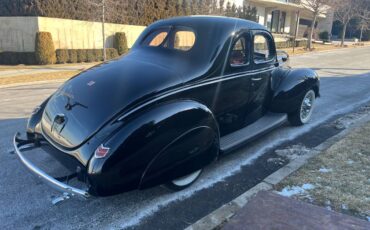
<point>120,43</point>
<point>111,53</point>
<point>84,55</point>
<point>72,54</point>
<point>62,56</point>
<point>81,55</point>
<point>324,36</point>
<point>16,58</point>
<point>98,53</point>
<point>90,57</point>
<point>44,48</point>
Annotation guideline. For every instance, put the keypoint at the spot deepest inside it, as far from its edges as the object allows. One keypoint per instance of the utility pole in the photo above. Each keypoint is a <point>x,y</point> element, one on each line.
<point>103,30</point>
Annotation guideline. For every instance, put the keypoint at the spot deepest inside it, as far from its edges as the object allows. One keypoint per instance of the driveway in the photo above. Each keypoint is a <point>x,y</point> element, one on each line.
<point>25,202</point>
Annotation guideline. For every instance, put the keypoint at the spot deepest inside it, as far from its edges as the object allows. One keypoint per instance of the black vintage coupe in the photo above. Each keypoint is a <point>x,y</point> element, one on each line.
<point>190,89</point>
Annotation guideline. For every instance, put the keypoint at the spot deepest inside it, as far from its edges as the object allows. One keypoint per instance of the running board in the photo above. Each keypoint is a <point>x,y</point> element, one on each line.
<point>260,127</point>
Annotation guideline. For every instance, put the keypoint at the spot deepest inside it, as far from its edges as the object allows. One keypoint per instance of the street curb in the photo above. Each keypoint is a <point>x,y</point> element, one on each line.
<point>215,219</point>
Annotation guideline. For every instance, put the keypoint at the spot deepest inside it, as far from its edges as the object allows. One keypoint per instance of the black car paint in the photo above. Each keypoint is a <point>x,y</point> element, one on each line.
<point>162,111</point>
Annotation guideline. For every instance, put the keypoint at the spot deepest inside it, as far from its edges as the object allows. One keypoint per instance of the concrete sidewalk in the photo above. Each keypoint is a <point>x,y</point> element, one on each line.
<point>268,210</point>
<point>18,71</point>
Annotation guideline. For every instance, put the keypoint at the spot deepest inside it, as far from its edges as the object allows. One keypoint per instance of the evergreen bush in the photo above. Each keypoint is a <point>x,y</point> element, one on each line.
<point>120,43</point>
<point>44,48</point>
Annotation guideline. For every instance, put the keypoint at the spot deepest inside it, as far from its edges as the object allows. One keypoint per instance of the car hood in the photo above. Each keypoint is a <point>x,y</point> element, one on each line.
<point>85,103</point>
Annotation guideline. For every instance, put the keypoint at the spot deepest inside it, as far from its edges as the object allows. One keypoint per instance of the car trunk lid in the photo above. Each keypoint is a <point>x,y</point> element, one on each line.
<point>85,103</point>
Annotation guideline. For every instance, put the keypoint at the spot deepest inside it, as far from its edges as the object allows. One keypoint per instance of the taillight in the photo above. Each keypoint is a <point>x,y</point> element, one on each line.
<point>101,151</point>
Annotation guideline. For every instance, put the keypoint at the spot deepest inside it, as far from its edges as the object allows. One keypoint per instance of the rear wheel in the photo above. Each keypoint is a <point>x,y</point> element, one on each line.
<point>184,182</point>
<point>303,114</point>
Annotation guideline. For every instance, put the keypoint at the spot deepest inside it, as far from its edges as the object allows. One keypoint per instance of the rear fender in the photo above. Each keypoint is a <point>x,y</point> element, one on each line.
<point>191,151</point>
<point>288,87</point>
<point>145,136</point>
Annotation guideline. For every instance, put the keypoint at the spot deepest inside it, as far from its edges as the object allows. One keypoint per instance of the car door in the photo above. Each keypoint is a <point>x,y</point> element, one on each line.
<point>233,91</point>
<point>263,62</point>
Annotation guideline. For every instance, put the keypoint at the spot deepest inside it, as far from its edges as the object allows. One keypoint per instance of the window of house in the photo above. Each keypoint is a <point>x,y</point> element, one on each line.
<point>282,22</point>
<point>262,49</point>
<point>239,54</point>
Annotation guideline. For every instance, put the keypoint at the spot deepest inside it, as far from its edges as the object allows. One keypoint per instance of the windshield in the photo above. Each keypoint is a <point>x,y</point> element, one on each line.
<point>182,38</point>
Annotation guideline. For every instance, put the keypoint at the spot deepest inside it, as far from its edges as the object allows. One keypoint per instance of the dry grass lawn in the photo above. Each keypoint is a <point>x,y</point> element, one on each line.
<point>63,75</point>
<point>340,176</point>
<point>318,47</point>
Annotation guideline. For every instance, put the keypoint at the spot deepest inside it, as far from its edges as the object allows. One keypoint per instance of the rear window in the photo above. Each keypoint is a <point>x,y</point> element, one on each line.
<point>156,38</point>
<point>178,39</point>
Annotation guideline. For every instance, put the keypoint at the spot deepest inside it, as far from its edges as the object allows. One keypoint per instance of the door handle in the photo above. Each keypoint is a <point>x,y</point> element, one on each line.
<point>257,79</point>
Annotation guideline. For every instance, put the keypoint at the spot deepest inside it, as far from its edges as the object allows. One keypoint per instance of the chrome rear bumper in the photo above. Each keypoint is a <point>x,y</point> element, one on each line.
<point>25,145</point>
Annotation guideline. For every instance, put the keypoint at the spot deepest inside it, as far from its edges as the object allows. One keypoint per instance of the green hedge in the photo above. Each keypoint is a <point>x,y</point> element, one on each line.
<point>16,58</point>
<point>72,56</point>
<point>44,48</point>
<point>120,43</point>
<point>84,55</point>
<point>62,56</point>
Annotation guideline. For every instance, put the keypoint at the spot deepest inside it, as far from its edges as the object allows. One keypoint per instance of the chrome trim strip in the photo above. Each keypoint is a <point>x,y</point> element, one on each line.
<point>206,82</point>
<point>45,177</point>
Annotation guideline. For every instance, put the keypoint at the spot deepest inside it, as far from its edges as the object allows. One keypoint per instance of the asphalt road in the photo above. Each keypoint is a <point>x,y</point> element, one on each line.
<point>26,203</point>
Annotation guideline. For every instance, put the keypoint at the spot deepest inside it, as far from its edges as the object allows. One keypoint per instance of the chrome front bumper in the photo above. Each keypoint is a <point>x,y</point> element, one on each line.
<point>24,145</point>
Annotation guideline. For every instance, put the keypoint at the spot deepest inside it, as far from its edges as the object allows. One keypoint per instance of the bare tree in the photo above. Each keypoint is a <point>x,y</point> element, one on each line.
<point>107,9</point>
<point>344,11</point>
<point>317,7</point>
<point>363,13</point>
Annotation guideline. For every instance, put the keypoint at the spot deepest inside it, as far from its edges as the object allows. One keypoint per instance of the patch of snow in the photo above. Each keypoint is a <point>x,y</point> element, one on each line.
<point>277,160</point>
<point>308,186</point>
<point>344,207</point>
<point>292,152</point>
<point>233,165</point>
<point>327,205</point>
<point>296,190</point>
<point>346,121</point>
<point>350,162</point>
<point>325,170</point>
<point>368,218</point>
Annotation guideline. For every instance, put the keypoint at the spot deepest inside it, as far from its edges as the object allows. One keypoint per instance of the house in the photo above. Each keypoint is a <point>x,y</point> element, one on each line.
<point>281,17</point>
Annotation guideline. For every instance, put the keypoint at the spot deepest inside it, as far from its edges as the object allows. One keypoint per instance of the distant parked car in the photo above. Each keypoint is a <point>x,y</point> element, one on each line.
<point>190,90</point>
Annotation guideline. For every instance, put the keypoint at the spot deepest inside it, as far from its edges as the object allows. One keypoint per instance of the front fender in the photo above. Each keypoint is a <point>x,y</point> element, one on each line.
<point>141,139</point>
<point>289,85</point>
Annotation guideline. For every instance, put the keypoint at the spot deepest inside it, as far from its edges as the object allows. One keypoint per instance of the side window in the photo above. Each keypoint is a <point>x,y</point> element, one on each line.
<point>184,40</point>
<point>156,38</point>
<point>262,50</point>
<point>239,54</point>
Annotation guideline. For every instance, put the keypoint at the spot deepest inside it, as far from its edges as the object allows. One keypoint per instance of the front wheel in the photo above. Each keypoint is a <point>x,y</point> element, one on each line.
<point>303,114</point>
<point>183,182</point>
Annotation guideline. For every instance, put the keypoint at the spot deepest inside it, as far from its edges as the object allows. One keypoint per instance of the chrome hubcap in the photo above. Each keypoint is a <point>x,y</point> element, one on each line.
<point>185,180</point>
<point>307,106</point>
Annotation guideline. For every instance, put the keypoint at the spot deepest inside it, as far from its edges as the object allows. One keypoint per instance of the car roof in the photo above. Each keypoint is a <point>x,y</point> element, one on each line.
<point>220,21</point>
